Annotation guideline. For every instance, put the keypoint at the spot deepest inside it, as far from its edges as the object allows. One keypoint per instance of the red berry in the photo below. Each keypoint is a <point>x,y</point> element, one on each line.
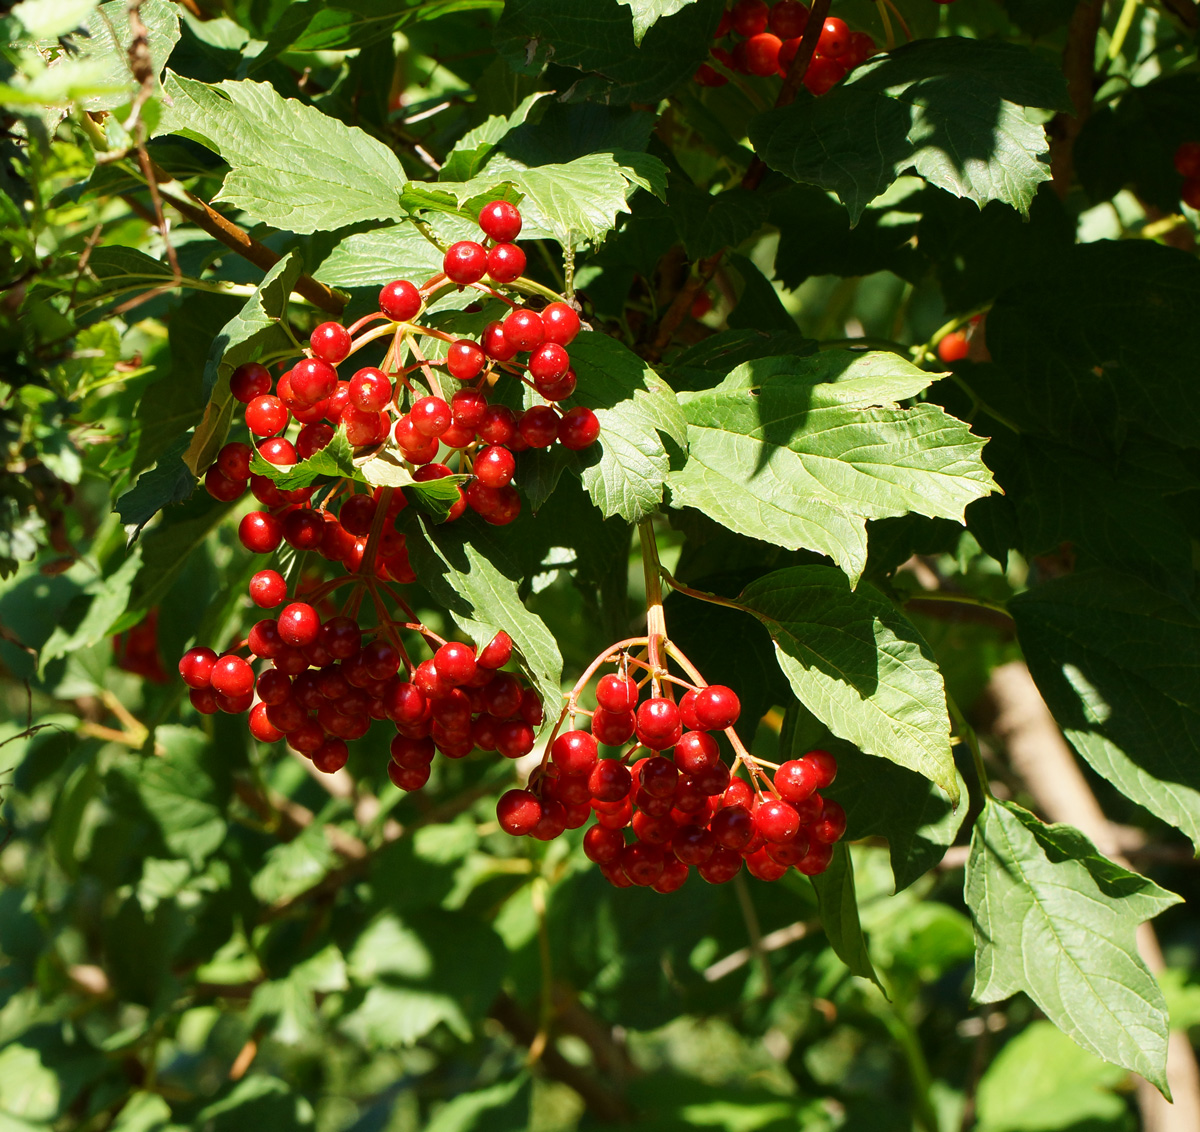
<point>776,820</point>
<point>617,693</point>
<point>658,726</point>
<point>430,416</point>
<point>278,450</point>
<point>795,780</point>
<point>267,588</point>
<point>732,826</point>
<point>248,381</point>
<point>261,726</point>
<point>370,390</point>
<point>579,429</point>
<point>495,345</point>
<point>816,860</point>
<point>418,448</point>
<point>221,487</point>
<point>514,738</point>
<point>604,846</point>
<point>455,662</point>
<point>494,466</point>
<point>762,54</point>
<point>574,752</point>
<point>538,426</point>
<point>643,864</point>
<point>762,865</point>
<point>518,811</point>
<point>749,17</point>
<point>610,780</point>
<point>861,48</point>
<point>549,362</point>
<point>560,323</point>
<point>312,438</point>
<point>717,707</point>
<point>953,347</point>
<point>823,74</point>
<point>260,532</point>
<point>696,751</point>
<point>497,652</point>
<point>313,380</point>
<point>465,359</point>
<point>234,460</point>
<point>500,221</point>
<point>408,778</point>
<point>1190,192</point>
<point>266,415</point>
<point>1187,160</point>
<point>400,300</point>
<point>831,825</point>
<point>558,390</point>
<point>834,40</point>
<point>196,667</point>
<point>524,329</point>
<point>330,342</point>
<point>232,676</point>
<point>358,514</point>
<point>505,262</point>
<point>467,407</point>
<point>299,624</point>
<point>498,506</point>
<point>788,19</point>
<point>824,767</point>
<point>722,866</point>
<point>659,777</point>
<point>709,76</point>
<point>613,728</point>
<point>465,262</point>
<point>497,424</point>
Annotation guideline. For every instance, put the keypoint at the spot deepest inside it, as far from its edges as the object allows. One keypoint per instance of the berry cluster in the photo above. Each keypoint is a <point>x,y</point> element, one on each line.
<point>386,407</point>
<point>328,681</point>
<point>754,39</point>
<point>1187,165</point>
<point>679,799</point>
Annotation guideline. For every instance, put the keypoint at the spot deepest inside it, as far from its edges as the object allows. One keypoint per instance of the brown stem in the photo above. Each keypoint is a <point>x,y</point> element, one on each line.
<point>1078,65</point>
<point>656,621</point>
<point>217,226</point>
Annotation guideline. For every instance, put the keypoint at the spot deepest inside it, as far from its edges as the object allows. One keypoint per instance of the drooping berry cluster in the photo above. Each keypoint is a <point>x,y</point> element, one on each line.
<point>384,407</point>
<point>756,39</point>
<point>329,679</point>
<point>1187,165</point>
<point>679,800</point>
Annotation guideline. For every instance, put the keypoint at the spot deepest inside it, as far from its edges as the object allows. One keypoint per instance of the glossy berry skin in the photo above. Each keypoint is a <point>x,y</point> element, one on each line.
<point>430,416</point>
<point>500,221</point>
<point>795,780</point>
<point>278,450</point>
<point>762,54</point>
<point>617,693</point>
<point>234,460</point>
<point>266,415</point>
<point>400,300</point>
<point>861,48</point>
<point>776,820</point>
<point>788,19</point>
<point>299,624</point>
<point>574,752</point>
<point>370,390</point>
<point>610,781</point>
<point>465,359</point>
<point>831,825</point>
<point>497,425</point>
<point>312,380</point>
<point>248,381</point>
<point>834,41</point>
<point>518,811</point>
<point>696,751</point>
<point>467,407</point>
<point>659,777</point>
<point>749,17</point>
<point>505,262</point>
<point>642,864</point>
<point>604,846</point>
<point>330,342</point>
<point>232,676</point>
<point>953,347</point>
<point>816,860</point>
<point>579,428</point>
<point>560,323</point>
<point>1187,159</point>
<point>658,724</point>
<point>267,589</point>
<point>221,487</point>
<point>823,74</point>
<point>524,329</point>
<point>733,827</point>
<point>824,767</point>
<point>549,362</point>
<point>559,389</point>
<point>613,728</point>
<point>465,262</point>
<point>717,707</point>
<point>496,653</point>
<point>494,466</point>
<point>196,667</point>
<point>721,867</point>
<point>494,343</point>
<point>455,662</point>
<point>538,426</point>
<point>260,532</point>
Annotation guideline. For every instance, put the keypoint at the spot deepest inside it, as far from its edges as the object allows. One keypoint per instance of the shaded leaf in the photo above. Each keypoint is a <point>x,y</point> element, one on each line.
<point>839,914</point>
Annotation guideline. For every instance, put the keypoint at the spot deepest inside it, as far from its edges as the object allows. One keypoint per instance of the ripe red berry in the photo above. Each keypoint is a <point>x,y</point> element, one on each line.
<point>732,826</point>
<point>816,860</point>
<point>500,221</point>
<point>430,416</point>
<point>549,362</point>
<point>313,380</point>
<point>278,450</point>
<point>514,738</point>
<point>558,390</point>
<point>496,653</point>
<point>823,74</point>
<point>721,867</point>
<point>831,825</point>
<point>400,300</point>
<point>795,780</point>
<point>659,777</point>
<point>762,54</point>
<point>234,460</point>
<point>761,864</point>
<point>604,846</point>
<point>266,415</point>
<point>221,487</point>
<point>465,359</point>
<point>465,262</point>
<point>232,676</point>
<point>1187,159</point>
<point>408,778</point>
<point>574,752</point>
<point>505,262</point>
<point>1190,192</point>
<point>518,811</point>
<point>497,424</point>
<point>609,781</point>
<point>709,76</point>
<point>196,667</point>
<point>953,347</point>
<point>788,19</point>
<point>861,48</point>
<point>776,820</point>
<point>494,466</point>
<point>455,662</point>
<point>330,342</point>
<point>658,725</point>
<point>467,407</point>
<point>248,381</point>
<point>495,345</point>
<point>717,707</point>
<point>524,329</point>
<point>560,323</point>
<point>267,589</point>
<point>370,390</point>
<point>538,426</point>
<point>824,767</point>
<point>579,428</point>
<point>696,751</point>
<point>749,17</point>
<point>617,693</point>
<point>299,624</point>
<point>834,40</point>
<point>260,532</point>
<point>613,728</point>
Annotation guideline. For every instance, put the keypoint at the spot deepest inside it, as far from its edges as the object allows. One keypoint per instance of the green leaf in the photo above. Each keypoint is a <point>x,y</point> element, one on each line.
<point>839,914</point>
<point>501,1108</point>
<point>258,1101</point>
<point>335,459</point>
<point>803,451</point>
<point>598,36</point>
<point>859,666</point>
<point>646,13</point>
<point>708,222</point>
<point>1042,1081</point>
<point>89,617</point>
<point>107,45</point>
<point>1116,661</point>
<point>294,866</point>
<point>466,568</point>
<point>291,166</point>
<point>1055,919</point>
<point>371,259</point>
<point>48,19</point>
<point>950,108</point>
<point>258,330</point>
<point>470,152</point>
<point>169,481</point>
<point>434,497</point>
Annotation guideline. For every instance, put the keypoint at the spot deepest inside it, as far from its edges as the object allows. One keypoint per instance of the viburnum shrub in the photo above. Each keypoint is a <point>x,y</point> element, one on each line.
<point>552,550</point>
